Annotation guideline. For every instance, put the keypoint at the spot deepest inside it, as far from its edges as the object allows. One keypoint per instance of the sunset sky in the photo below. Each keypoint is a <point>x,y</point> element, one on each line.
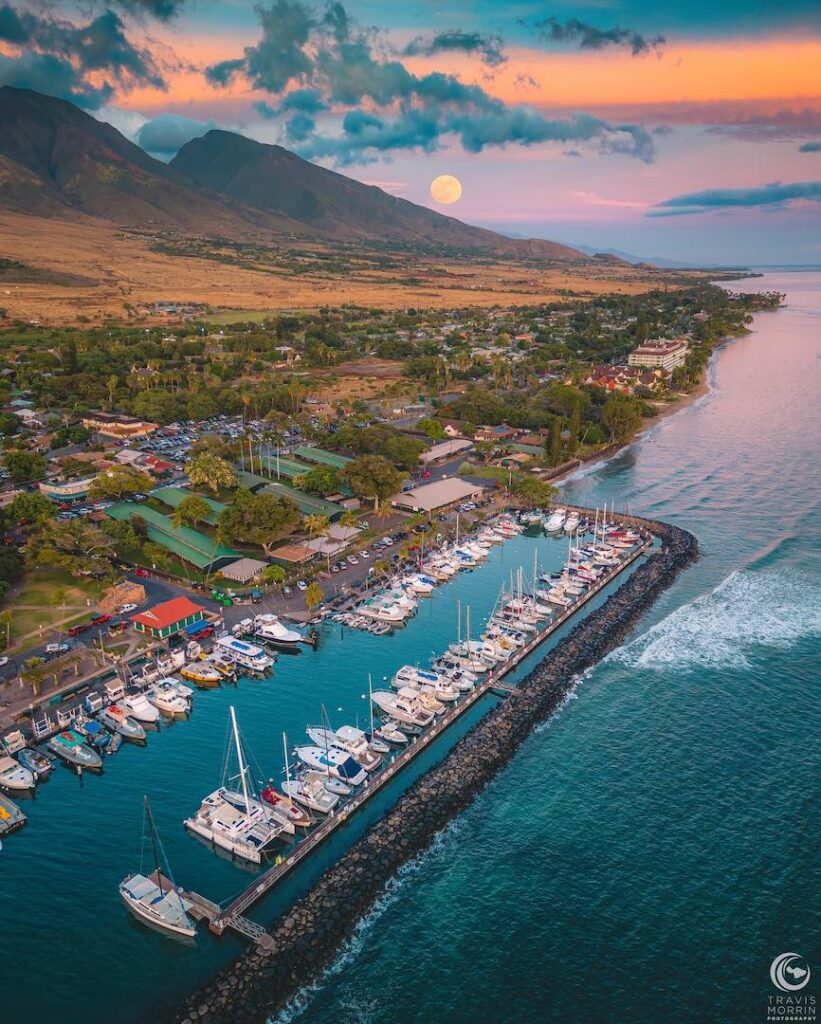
<point>688,130</point>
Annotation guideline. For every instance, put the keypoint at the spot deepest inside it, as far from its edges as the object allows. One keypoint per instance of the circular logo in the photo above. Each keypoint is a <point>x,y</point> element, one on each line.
<point>789,972</point>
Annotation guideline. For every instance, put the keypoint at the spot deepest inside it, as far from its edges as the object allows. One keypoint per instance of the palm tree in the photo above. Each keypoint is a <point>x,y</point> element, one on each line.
<point>210,470</point>
<point>316,524</point>
<point>111,384</point>
<point>381,567</point>
<point>313,596</point>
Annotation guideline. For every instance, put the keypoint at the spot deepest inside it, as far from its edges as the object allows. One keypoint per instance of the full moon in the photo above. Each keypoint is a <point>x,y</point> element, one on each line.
<point>446,189</point>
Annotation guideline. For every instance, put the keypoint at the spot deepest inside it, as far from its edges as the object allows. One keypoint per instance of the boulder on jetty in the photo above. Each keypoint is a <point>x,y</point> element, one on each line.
<point>307,937</point>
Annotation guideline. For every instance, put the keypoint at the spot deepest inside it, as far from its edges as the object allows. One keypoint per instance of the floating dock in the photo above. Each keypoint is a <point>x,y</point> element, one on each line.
<point>232,916</point>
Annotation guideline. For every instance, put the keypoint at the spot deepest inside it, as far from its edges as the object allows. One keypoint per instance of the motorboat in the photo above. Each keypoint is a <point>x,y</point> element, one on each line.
<point>14,775</point>
<point>154,898</point>
<point>556,521</point>
<point>95,735</point>
<point>335,762</point>
<point>11,817</point>
<point>69,746</point>
<point>412,675</point>
<point>248,656</point>
<point>117,718</point>
<point>245,829</point>
<point>422,585</point>
<point>404,706</point>
<point>167,701</point>
<point>384,611</point>
<point>223,663</point>
<point>571,524</point>
<point>389,731</point>
<point>270,629</point>
<point>311,793</point>
<point>203,675</point>
<point>330,782</point>
<point>285,807</point>
<point>556,595</point>
<point>184,691</point>
<point>350,740</point>
<point>36,761</point>
<point>138,706</point>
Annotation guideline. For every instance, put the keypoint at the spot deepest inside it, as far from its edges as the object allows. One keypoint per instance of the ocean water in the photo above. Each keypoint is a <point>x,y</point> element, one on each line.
<point>653,847</point>
<point>644,856</point>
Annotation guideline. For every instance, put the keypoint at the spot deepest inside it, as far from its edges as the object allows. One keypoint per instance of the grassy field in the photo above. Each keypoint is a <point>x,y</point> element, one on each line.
<point>31,605</point>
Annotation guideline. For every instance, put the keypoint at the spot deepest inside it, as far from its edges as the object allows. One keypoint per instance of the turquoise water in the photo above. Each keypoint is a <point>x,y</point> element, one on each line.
<point>645,855</point>
<point>650,850</point>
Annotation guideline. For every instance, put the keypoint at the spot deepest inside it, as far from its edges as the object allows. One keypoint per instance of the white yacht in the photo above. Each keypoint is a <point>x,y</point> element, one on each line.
<point>249,656</point>
<point>335,762</point>
<point>13,775</point>
<point>311,793</point>
<point>383,611</point>
<point>404,707</point>
<point>421,584</point>
<point>271,629</point>
<point>138,706</point>
<point>411,675</point>
<point>350,740</point>
<point>167,700</point>
<point>556,521</point>
<point>154,898</point>
<point>571,524</point>
<point>246,830</point>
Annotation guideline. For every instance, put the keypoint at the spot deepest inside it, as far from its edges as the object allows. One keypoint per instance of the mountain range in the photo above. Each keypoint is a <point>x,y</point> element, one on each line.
<point>58,161</point>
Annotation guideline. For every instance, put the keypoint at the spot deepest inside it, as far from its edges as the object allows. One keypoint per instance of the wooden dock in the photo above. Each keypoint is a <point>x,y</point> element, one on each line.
<point>231,916</point>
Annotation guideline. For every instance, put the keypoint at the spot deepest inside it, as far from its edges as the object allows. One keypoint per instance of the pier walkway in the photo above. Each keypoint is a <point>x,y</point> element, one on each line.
<point>231,916</point>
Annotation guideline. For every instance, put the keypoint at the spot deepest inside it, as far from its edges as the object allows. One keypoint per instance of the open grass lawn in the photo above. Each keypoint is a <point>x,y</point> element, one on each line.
<point>37,591</point>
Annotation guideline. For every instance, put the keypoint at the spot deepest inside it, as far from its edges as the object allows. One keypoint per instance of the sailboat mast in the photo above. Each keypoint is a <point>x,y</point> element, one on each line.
<point>153,830</point>
<point>242,768</point>
<point>370,700</point>
<point>287,762</point>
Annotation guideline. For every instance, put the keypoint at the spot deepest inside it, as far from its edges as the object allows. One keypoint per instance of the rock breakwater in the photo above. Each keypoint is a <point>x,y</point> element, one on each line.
<point>308,936</point>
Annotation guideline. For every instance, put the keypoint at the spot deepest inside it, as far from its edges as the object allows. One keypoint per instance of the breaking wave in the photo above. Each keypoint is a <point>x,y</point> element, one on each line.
<point>719,629</point>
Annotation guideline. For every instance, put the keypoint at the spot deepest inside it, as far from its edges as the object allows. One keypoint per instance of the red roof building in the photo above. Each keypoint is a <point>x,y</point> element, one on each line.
<point>167,618</point>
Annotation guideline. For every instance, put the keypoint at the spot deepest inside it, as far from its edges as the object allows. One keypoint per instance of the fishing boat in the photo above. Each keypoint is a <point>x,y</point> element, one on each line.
<point>155,898</point>
<point>94,734</point>
<point>337,763</point>
<point>391,732</point>
<point>270,629</point>
<point>167,701</point>
<point>116,718</point>
<point>404,707</point>
<point>223,663</point>
<point>69,746</point>
<point>249,656</point>
<point>202,674</point>
<point>35,761</point>
<point>247,831</point>
<point>14,775</point>
<point>137,705</point>
<point>11,817</point>
<point>349,740</point>
<point>311,793</point>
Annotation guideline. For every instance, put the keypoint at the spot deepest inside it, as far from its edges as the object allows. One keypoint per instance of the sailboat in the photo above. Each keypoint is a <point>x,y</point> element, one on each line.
<point>155,898</point>
<point>237,822</point>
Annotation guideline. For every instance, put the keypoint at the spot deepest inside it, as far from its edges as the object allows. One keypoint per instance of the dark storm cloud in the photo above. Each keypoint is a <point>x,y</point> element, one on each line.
<point>773,195</point>
<point>488,47</point>
<point>313,60</point>
<point>59,55</point>
<point>588,37</point>
<point>162,10</point>
<point>810,147</point>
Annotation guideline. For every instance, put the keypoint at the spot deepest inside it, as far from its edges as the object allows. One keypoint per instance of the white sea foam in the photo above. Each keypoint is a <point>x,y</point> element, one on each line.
<point>354,945</point>
<point>719,629</point>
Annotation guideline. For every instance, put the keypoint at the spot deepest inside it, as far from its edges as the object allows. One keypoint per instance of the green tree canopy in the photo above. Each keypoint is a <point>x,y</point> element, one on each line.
<point>258,519</point>
<point>372,477</point>
<point>73,545</point>
<point>319,480</point>
<point>24,466</point>
<point>191,510</point>
<point>621,414</point>
<point>118,482</point>
<point>206,469</point>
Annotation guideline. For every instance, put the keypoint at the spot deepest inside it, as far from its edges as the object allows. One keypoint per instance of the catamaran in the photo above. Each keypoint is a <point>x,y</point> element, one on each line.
<point>154,898</point>
<point>243,827</point>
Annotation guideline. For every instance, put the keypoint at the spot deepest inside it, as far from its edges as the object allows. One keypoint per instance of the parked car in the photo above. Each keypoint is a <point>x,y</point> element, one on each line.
<point>81,627</point>
<point>101,619</point>
<point>302,584</point>
<point>117,626</point>
<point>353,560</point>
<point>126,608</point>
<point>57,648</point>
<point>144,574</point>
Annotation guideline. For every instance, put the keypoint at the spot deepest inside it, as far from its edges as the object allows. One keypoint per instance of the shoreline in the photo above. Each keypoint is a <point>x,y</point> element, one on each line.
<point>307,936</point>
